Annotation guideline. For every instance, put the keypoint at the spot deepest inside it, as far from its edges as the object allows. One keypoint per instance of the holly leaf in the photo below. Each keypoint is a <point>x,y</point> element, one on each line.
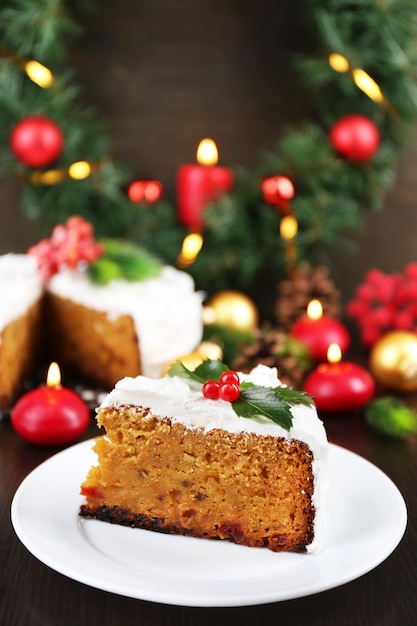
<point>209,369</point>
<point>255,400</point>
<point>294,396</point>
<point>179,369</point>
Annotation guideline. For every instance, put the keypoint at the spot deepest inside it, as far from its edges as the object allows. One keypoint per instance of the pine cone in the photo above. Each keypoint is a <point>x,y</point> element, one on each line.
<point>306,284</point>
<point>274,348</point>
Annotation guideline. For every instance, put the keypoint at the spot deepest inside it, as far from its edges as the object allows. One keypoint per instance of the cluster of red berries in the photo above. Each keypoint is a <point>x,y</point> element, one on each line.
<point>69,245</point>
<point>385,302</point>
<point>226,388</point>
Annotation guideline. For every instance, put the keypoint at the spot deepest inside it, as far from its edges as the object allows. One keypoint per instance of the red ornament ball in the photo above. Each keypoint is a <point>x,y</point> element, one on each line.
<point>276,189</point>
<point>36,141</point>
<point>355,137</point>
<point>145,191</point>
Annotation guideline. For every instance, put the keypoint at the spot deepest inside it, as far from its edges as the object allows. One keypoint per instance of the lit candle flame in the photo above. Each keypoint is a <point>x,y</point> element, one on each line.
<point>334,353</point>
<point>191,246</point>
<point>207,152</point>
<point>53,378</point>
<point>314,310</point>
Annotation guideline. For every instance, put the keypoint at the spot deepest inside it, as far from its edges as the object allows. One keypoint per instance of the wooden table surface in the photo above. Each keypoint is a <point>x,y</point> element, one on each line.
<point>32,594</point>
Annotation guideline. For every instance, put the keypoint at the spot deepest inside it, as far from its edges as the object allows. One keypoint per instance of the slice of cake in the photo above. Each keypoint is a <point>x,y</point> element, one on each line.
<point>173,460</point>
<point>20,316</point>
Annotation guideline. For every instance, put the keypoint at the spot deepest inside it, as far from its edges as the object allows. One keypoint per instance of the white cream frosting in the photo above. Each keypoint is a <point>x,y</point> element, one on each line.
<point>166,311</point>
<point>20,286</point>
<point>177,399</point>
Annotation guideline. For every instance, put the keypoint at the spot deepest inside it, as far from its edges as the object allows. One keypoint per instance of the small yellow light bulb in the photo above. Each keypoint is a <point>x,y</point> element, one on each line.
<point>191,246</point>
<point>338,62</point>
<point>367,85</point>
<point>288,227</point>
<point>79,170</point>
<point>39,74</point>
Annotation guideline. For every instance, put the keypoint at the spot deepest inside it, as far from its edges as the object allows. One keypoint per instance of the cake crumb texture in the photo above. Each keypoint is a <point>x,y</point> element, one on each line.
<point>86,341</point>
<point>19,351</point>
<point>157,474</point>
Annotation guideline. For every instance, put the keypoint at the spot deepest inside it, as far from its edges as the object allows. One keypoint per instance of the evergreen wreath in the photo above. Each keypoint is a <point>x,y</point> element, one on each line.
<point>365,64</point>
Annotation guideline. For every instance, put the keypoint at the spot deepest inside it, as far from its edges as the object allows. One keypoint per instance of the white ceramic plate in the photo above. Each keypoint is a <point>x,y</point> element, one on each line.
<point>366,512</point>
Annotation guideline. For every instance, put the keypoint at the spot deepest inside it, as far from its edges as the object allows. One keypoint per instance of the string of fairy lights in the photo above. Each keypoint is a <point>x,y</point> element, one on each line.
<point>277,190</point>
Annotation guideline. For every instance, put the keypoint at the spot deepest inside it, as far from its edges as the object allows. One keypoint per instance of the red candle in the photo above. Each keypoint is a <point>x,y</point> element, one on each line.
<point>51,415</point>
<point>339,385</point>
<point>201,183</point>
<point>318,331</point>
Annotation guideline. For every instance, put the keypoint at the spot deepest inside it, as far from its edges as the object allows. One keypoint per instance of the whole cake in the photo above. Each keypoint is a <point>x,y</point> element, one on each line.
<point>102,310</point>
<point>122,328</point>
<point>20,322</point>
<point>251,470</point>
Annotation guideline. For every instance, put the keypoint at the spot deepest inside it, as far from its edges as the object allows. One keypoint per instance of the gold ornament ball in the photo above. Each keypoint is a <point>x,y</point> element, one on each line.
<point>191,360</point>
<point>393,360</point>
<point>231,309</point>
<point>211,350</point>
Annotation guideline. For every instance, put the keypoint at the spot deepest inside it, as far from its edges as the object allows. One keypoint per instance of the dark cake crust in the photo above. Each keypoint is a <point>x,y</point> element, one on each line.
<point>230,531</point>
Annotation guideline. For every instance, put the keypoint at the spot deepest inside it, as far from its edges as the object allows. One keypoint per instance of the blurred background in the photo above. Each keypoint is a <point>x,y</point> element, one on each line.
<point>163,75</point>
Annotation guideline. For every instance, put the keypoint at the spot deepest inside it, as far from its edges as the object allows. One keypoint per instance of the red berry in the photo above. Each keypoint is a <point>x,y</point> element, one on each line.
<point>365,293</point>
<point>211,390</point>
<point>230,376</point>
<point>403,320</point>
<point>229,392</point>
<point>59,235</point>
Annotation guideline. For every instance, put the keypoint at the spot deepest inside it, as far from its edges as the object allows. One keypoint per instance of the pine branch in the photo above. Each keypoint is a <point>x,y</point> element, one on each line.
<point>241,240</point>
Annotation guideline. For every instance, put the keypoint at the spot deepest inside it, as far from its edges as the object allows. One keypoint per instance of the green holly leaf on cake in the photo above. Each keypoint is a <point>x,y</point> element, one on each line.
<point>256,401</point>
<point>123,260</point>
<point>253,401</point>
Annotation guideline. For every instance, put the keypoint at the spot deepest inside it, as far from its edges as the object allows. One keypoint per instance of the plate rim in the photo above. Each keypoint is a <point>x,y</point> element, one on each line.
<point>185,599</point>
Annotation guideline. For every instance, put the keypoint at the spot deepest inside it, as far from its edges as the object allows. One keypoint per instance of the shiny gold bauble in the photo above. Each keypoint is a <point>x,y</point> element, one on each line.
<point>393,360</point>
<point>211,350</point>
<point>191,360</point>
<point>231,309</point>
